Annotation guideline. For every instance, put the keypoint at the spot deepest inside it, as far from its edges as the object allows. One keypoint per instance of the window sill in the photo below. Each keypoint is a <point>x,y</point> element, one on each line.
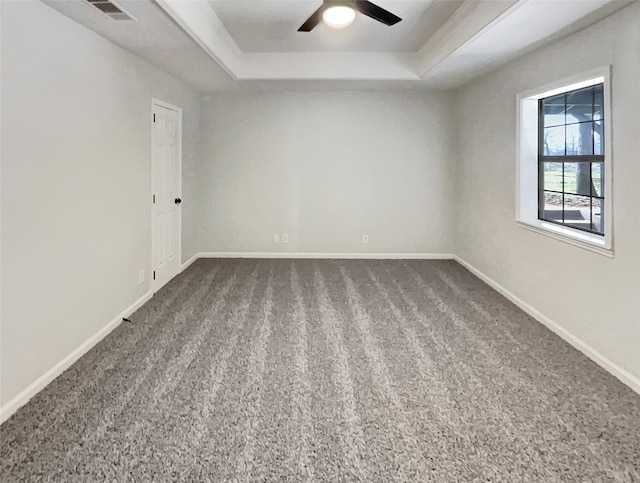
<point>567,237</point>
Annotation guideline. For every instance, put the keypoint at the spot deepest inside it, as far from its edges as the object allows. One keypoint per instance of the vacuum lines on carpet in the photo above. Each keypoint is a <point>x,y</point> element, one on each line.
<point>327,370</point>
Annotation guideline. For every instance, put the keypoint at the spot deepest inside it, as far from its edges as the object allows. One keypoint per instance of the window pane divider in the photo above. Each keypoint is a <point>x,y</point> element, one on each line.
<point>566,160</point>
<point>595,197</point>
<point>573,158</point>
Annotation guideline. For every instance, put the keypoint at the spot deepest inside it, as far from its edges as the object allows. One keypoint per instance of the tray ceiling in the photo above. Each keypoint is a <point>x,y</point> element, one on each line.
<point>212,44</point>
<point>271,26</point>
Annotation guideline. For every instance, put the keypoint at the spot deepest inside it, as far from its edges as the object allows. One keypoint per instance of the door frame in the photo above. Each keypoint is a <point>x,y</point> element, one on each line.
<point>155,284</point>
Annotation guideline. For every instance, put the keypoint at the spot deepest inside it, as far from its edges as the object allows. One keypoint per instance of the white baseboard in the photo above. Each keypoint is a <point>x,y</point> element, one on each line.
<point>316,255</point>
<point>21,399</point>
<point>627,378</point>
<point>188,263</point>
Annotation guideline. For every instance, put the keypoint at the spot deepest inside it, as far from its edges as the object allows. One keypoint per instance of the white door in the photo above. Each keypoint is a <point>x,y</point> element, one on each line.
<point>166,171</point>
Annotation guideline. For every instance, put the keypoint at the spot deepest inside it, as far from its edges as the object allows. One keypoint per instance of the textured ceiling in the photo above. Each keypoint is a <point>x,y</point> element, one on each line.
<point>154,36</point>
<point>271,26</point>
<point>257,41</point>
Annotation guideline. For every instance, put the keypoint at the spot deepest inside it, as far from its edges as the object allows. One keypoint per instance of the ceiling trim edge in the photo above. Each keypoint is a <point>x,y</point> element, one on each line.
<point>200,21</point>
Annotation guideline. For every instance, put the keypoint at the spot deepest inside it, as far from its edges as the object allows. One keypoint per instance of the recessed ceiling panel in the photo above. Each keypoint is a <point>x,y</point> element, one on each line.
<point>260,26</point>
<point>440,43</point>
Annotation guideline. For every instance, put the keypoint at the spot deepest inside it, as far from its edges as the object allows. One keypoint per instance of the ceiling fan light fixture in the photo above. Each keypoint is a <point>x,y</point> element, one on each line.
<point>338,16</point>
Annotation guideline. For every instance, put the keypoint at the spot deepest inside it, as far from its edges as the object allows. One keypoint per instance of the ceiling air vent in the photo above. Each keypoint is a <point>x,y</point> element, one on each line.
<point>111,9</point>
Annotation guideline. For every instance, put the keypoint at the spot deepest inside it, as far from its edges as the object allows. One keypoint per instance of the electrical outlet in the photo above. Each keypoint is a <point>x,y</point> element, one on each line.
<point>285,238</point>
<point>141,276</point>
<point>276,238</point>
<point>365,239</point>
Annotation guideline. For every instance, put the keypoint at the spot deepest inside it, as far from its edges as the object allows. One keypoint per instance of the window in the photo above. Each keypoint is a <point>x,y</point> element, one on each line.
<point>564,161</point>
<point>571,159</point>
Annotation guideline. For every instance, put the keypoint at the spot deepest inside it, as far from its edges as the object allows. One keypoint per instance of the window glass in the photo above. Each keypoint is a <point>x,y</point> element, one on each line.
<point>554,141</point>
<point>597,173</point>
<point>571,159</point>
<point>597,211</point>
<point>579,139</point>
<point>554,108</point>
<point>598,102</point>
<point>577,178</point>
<point>579,105</point>
<point>552,176</point>
<point>598,139</point>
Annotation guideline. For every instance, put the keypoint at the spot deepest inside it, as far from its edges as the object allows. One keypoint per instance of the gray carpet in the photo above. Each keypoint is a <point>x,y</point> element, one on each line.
<point>280,370</point>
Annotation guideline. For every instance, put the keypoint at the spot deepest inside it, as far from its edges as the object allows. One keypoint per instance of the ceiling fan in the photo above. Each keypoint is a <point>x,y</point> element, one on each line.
<point>339,14</point>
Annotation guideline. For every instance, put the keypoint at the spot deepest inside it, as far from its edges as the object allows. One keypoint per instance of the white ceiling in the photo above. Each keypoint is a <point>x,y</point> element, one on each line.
<point>271,26</point>
<point>528,27</point>
<point>233,44</point>
<point>154,37</point>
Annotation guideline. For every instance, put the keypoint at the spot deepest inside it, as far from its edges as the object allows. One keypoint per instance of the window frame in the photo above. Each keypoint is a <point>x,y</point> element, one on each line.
<point>527,169</point>
<point>566,158</point>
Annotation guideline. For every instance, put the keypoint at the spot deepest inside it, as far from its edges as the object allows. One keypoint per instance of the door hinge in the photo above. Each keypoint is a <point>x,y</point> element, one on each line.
<point>154,199</point>
<point>154,274</point>
<point>154,117</point>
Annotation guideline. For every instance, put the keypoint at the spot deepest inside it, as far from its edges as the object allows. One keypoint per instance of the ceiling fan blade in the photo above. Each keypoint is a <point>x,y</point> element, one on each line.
<point>312,21</point>
<point>377,13</point>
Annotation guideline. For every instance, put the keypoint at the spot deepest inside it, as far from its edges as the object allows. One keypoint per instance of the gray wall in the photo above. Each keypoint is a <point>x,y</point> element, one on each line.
<point>75,185</point>
<point>326,168</point>
<point>595,298</point>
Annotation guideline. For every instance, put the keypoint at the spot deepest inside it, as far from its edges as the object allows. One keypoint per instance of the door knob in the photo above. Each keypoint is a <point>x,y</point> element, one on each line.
<point>177,201</point>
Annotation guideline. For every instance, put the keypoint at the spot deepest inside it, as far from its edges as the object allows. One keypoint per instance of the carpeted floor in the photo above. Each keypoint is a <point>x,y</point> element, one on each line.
<point>280,370</point>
